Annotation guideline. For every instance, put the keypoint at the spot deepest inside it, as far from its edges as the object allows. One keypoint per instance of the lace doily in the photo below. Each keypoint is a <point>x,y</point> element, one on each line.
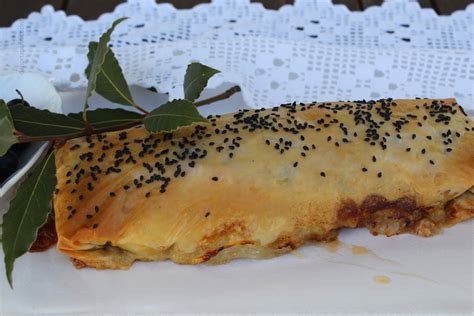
<point>312,50</point>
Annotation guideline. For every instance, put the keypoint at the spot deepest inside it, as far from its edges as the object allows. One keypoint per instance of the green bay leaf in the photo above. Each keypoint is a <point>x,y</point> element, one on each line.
<point>98,58</point>
<point>7,137</point>
<point>172,115</point>
<point>110,82</point>
<point>34,122</point>
<point>195,80</point>
<point>102,118</point>
<point>28,211</point>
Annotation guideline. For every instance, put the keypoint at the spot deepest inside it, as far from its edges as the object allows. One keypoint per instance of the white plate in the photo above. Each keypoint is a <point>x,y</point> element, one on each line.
<point>427,275</point>
<point>40,93</point>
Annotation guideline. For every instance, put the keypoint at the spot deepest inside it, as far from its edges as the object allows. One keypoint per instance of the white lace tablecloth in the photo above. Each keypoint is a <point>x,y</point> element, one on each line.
<point>312,50</point>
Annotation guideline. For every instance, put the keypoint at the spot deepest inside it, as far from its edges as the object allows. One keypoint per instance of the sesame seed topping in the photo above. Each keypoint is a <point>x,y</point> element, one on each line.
<point>284,132</point>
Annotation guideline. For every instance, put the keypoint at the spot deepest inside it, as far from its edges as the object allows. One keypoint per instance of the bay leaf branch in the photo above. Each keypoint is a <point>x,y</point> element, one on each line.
<point>30,121</point>
<point>27,212</point>
<point>97,59</point>
<point>195,80</point>
<point>111,83</point>
<point>7,137</point>
<point>31,124</point>
<point>226,94</point>
<point>172,115</point>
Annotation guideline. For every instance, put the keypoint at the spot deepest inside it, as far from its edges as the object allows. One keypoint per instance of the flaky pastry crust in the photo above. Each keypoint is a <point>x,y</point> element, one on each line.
<point>260,183</point>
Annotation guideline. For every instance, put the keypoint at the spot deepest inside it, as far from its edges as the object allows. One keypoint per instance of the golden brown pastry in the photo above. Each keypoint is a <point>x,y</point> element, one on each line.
<point>259,183</point>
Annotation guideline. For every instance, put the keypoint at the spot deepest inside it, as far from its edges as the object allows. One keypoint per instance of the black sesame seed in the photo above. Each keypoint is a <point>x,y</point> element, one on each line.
<point>432,162</point>
<point>364,169</point>
<point>215,178</point>
<point>379,174</point>
<point>88,216</point>
<point>95,226</point>
<point>423,151</point>
<point>374,159</point>
<point>147,194</point>
<point>295,164</point>
<point>323,174</point>
<point>408,149</point>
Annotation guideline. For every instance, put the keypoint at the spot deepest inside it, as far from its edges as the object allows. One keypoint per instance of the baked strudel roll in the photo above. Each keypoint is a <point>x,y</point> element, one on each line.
<point>259,183</point>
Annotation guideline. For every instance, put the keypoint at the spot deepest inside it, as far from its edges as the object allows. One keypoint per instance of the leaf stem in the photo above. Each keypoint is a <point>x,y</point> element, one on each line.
<point>84,132</point>
<point>136,106</point>
<point>219,97</point>
<point>84,118</point>
<point>89,130</point>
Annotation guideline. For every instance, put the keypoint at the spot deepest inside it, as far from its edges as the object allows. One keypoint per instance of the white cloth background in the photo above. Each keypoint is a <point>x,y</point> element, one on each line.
<point>313,50</point>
